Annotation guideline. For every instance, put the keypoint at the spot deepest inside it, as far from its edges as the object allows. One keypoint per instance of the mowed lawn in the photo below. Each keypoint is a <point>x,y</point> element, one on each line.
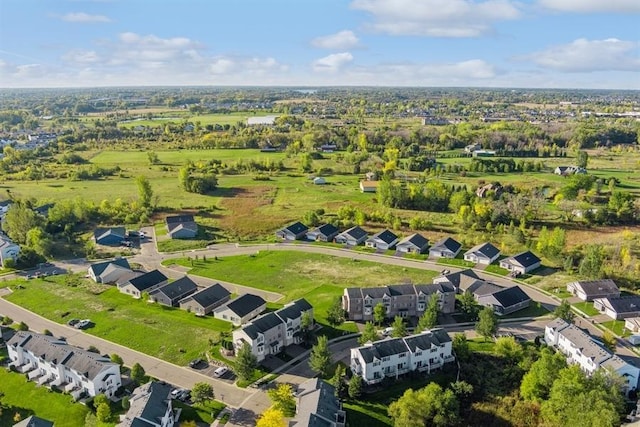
<point>170,334</point>
<point>23,397</point>
<point>316,277</point>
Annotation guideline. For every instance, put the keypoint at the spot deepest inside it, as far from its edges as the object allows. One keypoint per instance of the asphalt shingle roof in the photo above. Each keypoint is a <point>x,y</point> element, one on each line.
<point>386,236</point>
<point>178,288</point>
<point>294,310</point>
<point>245,304</point>
<point>447,243</point>
<point>147,280</point>
<point>99,267</point>
<point>511,296</point>
<point>355,232</point>
<point>210,295</point>
<point>486,249</point>
<point>415,239</point>
<point>524,259</point>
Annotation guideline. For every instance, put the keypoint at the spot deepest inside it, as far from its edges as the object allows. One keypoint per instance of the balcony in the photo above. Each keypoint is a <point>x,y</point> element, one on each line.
<point>35,374</point>
<point>27,367</point>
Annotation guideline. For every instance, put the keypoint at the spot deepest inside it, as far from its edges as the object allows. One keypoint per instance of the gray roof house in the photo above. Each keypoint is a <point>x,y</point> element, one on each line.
<point>506,300</point>
<point>484,253</point>
<point>111,236</point>
<point>522,263</point>
<point>460,280</point>
<point>150,406</point>
<point>242,309</point>
<point>415,243</point>
<point>317,405</point>
<point>171,293</point>
<point>323,233</point>
<point>352,237</point>
<point>205,300</point>
<point>144,283</point>
<point>592,289</point>
<point>618,308</point>
<point>295,231</point>
<point>383,240</point>
<point>108,271</point>
<point>445,248</point>
<point>181,226</point>
<point>34,421</point>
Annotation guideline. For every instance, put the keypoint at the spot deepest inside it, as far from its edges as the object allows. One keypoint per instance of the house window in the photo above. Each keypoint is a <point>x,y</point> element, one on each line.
<point>376,363</point>
<point>400,365</point>
<point>260,339</point>
<point>419,364</point>
<point>385,359</point>
<point>260,349</point>
<point>402,355</point>
<point>289,333</point>
<point>418,353</point>
<point>368,301</point>
<point>377,375</point>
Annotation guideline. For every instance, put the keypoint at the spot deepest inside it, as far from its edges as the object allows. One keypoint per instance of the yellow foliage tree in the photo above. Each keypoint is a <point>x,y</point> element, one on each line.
<point>271,418</point>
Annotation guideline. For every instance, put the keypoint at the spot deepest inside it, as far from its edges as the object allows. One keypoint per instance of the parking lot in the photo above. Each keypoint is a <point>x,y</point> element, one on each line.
<point>208,369</point>
<point>42,270</point>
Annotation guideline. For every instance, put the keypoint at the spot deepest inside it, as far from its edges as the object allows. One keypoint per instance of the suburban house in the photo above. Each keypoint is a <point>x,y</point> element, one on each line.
<point>205,300</point>
<point>491,189</point>
<point>242,309</point>
<point>34,421</point>
<point>472,147</point>
<point>580,349</point>
<point>592,289</point>
<point>484,253</point>
<point>369,186</point>
<point>618,308</point>
<point>422,352</point>
<point>445,248</point>
<point>52,362</point>
<point>271,332</point>
<point>323,233</point>
<point>352,237</point>
<point>145,283</point>
<point>181,226</point>
<point>632,324</point>
<point>506,301</point>
<point>295,231</point>
<point>399,300</point>
<point>416,244</point>
<point>317,405</point>
<point>171,293</point>
<point>569,170</point>
<point>522,263</point>
<point>383,240</point>
<point>111,236</point>
<point>460,280</point>
<point>150,406</point>
<point>8,249</point>
<point>109,271</point>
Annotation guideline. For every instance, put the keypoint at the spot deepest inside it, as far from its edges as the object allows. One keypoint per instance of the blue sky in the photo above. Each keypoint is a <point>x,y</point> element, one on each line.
<point>485,43</point>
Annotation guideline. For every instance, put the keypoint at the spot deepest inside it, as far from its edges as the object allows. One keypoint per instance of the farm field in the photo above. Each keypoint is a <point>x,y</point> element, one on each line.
<point>318,278</point>
<point>159,331</point>
<point>162,118</point>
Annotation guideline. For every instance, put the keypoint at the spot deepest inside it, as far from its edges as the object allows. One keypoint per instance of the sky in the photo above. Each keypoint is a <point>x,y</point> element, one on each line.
<point>592,44</point>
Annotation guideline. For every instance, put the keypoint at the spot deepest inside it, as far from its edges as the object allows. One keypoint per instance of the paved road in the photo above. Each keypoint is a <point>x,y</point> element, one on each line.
<point>173,374</point>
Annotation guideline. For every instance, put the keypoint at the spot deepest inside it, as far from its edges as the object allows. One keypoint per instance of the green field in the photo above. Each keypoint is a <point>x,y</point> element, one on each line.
<point>204,119</point>
<point>159,331</point>
<point>617,327</point>
<point>318,278</point>
<point>586,308</point>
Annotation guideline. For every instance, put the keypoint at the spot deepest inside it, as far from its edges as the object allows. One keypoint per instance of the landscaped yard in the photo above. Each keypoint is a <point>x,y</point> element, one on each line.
<point>495,269</point>
<point>200,412</point>
<point>168,333</point>
<point>456,262</point>
<point>534,310</point>
<point>318,278</point>
<point>617,327</point>
<point>587,308</point>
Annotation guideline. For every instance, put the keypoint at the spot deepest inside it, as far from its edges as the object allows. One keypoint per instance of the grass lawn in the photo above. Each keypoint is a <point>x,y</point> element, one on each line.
<point>199,412</point>
<point>168,333</point>
<point>617,327</point>
<point>23,397</point>
<point>318,278</point>
<point>456,262</point>
<point>587,308</point>
<point>495,269</point>
<point>479,344</point>
<point>534,310</point>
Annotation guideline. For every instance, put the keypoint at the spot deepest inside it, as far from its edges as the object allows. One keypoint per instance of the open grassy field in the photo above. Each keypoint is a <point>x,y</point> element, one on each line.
<point>161,118</point>
<point>586,308</point>
<point>24,397</point>
<point>318,278</point>
<point>168,333</point>
<point>179,157</point>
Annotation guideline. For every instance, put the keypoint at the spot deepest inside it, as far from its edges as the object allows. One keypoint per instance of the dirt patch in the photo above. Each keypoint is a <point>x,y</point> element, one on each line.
<point>242,217</point>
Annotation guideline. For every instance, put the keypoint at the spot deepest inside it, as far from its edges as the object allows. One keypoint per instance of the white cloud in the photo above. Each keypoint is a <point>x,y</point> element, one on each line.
<point>333,62</point>
<point>341,40</point>
<point>589,6</point>
<point>584,55</point>
<point>437,18</point>
<point>81,56</point>
<point>82,17</point>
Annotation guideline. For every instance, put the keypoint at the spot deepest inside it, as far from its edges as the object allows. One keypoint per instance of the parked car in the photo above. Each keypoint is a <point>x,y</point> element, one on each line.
<point>73,322</point>
<point>195,363</point>
<point>220,371</point>
<point>177,392</point>
<point>82,324</point>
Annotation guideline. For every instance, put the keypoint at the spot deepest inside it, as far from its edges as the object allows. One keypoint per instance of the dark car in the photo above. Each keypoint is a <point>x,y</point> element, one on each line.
<point>195,363</point>
<point>73,322</point>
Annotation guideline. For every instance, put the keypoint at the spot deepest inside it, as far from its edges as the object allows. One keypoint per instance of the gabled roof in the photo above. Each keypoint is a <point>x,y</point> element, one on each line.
<point>294,310</point>
<point>296,228</point>
<point>429,289</point>
<point>177,226</point>
<point>354,292</point>
<point>98,268</point>
<point>245,304</point>
<point>177,289</point>
<point>486,249</point>
<point>179,219</point>
<point>147,280</point>
<point>524,259</point>
<point>402,289</point>
<point>384,348</point>
<point>415,239</point>
<point>462,278</point>
<point>148,402</point>
<point>427,339</point>
<point>480,288</point>
<point>317,404</point>
<point>511,296</point>
<point>209,295</point>
<point>627,304</point>
<point>447,243</point>
<point>581,341</point>
<point>355,232</point>
<point>34,421</point>
<point>376,293</point>
<point>597,287</point>
<point>102,233</point>
<point>262,324</point>
<point>386,236</point>
<point>327,229</point>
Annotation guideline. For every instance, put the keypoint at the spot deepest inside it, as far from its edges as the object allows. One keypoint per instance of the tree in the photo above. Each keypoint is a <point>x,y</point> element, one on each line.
<point>40,241</point>
<point>19,220</point>
<point>399,328</point>
<point>103,412</point>
<point>46,332</point>
<point>320,357</point>
<point>564,312</point>
<point>23,326</point>
<point>246,362</point>
<point>335,313</point>
<point>508,348</point>
<point>460,346</point>
<point>126,404</point>
<point>283,399</point>
<point>115,358</point>
<point>429,318</point>
<point>379,313</point>
<point>368,334</point>
<point>138,374</point>
<point>487,324</point>
<point>469,306</point>
<point>337,381</point>
<point>431,405</point>
<point>536,384</point>
<point>145,193</point>
<point>100,399</point>
<point>202,392</point>
<point>609,341</point>
<point>355,386</point>
<point>272,417</point>
<point>582,159</point>
<point>306,324</point>
<point>591,264</point>
<point>189,423</point>
<point>153,158</point>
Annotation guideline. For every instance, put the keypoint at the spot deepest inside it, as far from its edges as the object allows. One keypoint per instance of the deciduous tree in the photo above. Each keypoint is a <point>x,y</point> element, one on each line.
<point>536,384</point>
<point>429,318</point>
<point>138,374</point>
<point>368,334</point>
<point>246,362</point>
<point>564,312</point>
<point>399,328</point>
<point>379,313</point>
<point>272,417</point>
<point>335,313</point>
<point>355,386</point>
<point>283,399</point>
<point>320,357</point>
<point>202,392</point>
<point>429,406</point>
<point>487,324</point>
<point>145,192</point>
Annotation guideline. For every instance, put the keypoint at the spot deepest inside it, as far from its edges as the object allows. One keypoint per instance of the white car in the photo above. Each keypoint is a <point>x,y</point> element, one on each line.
<point>82,324</point>
<point>220,371</point>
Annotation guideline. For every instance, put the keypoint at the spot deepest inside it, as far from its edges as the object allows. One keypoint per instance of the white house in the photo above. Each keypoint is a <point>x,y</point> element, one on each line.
<point>522,263</point>
<point>580,349</point>
<point>150,406</point>
<point>445,248</point>
<point>592,289</point>
<point>8,249</point>
<point>415,243</point>
<point>52,362</point>
<point>383,240</point>
<point>393,357</point>
<point>484,253</point>
<point>242,309</point>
